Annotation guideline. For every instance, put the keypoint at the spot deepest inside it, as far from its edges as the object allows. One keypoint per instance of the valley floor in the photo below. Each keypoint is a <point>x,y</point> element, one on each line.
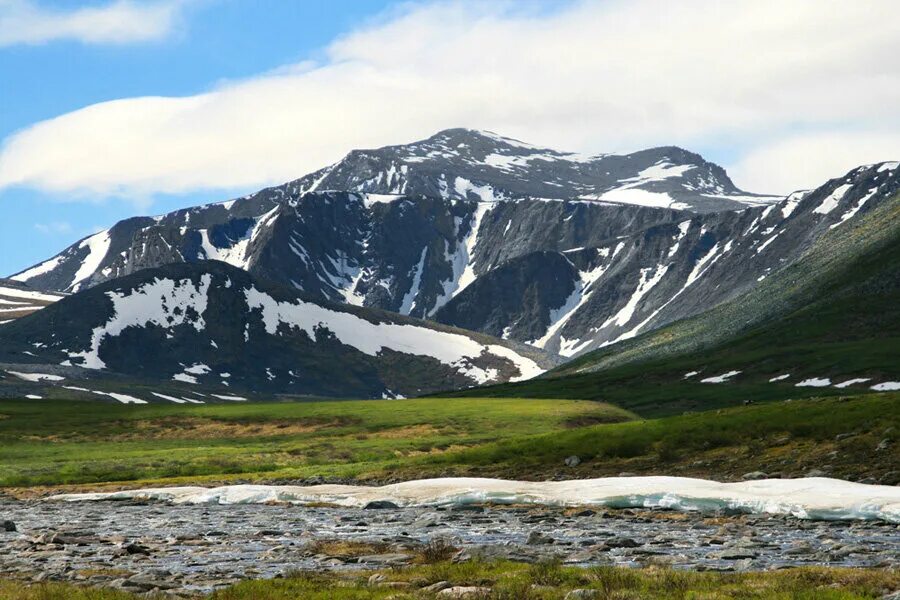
<point>281,551</point>
<point>74,446</point>
<point>57,444</point>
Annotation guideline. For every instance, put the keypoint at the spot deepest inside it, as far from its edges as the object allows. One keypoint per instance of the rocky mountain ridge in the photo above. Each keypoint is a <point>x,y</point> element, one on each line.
<point>212,324</point>
<point>567,253</point>
<point>635,283</point>
<point>456,164</point>
<point>828,324</point>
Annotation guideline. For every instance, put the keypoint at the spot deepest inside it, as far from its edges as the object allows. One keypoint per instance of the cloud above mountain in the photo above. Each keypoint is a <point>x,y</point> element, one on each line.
<point>796,91</point>
<point>119,22</point>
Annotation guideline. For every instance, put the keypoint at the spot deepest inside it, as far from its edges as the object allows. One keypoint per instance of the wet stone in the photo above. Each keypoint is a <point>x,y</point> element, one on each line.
<point>171,546</point>
<point>537,538</point>
<point>380,505</point>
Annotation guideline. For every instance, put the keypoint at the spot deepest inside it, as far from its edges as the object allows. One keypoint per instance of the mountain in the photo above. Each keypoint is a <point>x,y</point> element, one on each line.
<point>448,163</point>
<point>215,232</point>
<point>462,172</point>
<point>637,282</point>
<point>18,300</point>
<point>564,252</point>
<point>827,324</point>
<point>213,325</point>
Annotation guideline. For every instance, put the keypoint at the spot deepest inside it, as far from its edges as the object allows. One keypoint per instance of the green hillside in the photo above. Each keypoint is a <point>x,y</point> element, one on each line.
<point>842,437</point>
<point>835,314</point>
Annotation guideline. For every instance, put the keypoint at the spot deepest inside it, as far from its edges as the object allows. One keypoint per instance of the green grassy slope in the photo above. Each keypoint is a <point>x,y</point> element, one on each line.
<point>52,443</point>
<point>835,314</point>
<point>779,438</point>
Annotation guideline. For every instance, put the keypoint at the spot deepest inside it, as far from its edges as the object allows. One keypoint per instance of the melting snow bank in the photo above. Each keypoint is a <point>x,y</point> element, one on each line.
<point>809,498</point>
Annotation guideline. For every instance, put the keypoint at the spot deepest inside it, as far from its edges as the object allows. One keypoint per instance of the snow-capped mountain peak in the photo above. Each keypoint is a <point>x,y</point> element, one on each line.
<point>664,177</point>
<point>491,234</point>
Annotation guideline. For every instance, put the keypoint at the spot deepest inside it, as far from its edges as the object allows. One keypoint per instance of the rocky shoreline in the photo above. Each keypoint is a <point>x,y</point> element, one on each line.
<point>186,550</point>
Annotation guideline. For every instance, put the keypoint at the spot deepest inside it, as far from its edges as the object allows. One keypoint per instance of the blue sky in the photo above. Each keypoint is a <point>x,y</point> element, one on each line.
<point>218,40</point>
<point>112,108</point>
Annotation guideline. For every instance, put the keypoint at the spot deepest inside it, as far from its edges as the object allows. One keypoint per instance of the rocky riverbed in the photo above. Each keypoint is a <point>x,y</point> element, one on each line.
<point>187,549</point>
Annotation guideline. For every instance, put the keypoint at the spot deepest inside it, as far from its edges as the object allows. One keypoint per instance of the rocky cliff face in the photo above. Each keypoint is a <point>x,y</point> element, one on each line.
<point>637,282</point>
<point>565,252</point>
<point>454,165</point>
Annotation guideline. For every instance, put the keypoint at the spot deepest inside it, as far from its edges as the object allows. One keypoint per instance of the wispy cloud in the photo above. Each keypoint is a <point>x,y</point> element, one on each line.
<point>595,76</point>
<point>54,227</point>
<point>118,22</point>
<point>806,160</point>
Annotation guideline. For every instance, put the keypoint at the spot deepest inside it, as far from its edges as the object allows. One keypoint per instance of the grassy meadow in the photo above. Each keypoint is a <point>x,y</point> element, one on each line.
<point>56,443</point>
<point>81,444</point>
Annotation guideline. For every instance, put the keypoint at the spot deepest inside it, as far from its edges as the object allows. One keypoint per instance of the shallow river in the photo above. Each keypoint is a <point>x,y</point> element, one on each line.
<point>137,546</point>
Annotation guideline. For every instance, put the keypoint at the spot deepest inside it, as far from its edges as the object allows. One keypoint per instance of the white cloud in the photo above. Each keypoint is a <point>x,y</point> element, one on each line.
<point>54,227</point>
<point>594,76</point>
<point>119,22</point>
<point>804,161</point>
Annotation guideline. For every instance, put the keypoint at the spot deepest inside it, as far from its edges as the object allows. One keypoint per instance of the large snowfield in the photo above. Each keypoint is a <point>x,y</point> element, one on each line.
<point>806,498</point>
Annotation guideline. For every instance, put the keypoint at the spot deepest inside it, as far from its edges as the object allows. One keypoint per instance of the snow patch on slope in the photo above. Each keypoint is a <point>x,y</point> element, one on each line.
<point>98,247</point>
<point>455,350</point>
<point>578,298</point>
<point>833,199</point>
<point>639,197</point>
<point>647,282</point>
<point>471,241</point>
<point>887,386</point>
<point>683,228</point>
<point>852,212</point>
<point>661,171</point>
<point>36,377</point>
<point>409,299</point>
<point>177,400</point>
<point>164,303</point>
<point>792,202</point>
<point>123,398</point>
<point>720,378</point>
<point>805,498</point>
<point>44,267</point>
<point>11,292</point>
<point>370,200</point>
<point>629,191</point>
<point>462,260</point>
<point>236,254</point>
<point>850,382</point>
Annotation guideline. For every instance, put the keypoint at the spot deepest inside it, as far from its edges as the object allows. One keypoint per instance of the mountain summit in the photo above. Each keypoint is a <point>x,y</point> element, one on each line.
<point>565,252</point>
<point>445,164</point>
<point>453,168</point>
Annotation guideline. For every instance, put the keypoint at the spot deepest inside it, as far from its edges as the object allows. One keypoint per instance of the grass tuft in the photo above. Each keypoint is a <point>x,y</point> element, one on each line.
<point>545,581</point>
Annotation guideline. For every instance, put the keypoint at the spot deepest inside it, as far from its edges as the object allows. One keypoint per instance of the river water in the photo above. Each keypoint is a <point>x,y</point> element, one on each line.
<point>185,548</point>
